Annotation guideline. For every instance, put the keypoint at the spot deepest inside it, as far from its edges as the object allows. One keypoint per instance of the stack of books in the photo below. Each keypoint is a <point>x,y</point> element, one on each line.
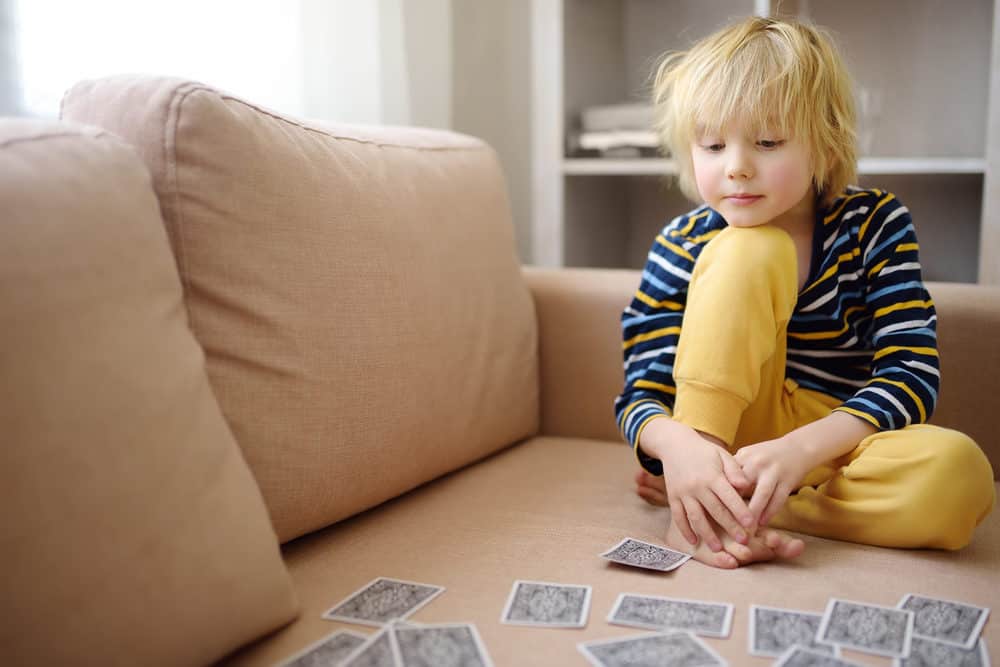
<point>619,130</point>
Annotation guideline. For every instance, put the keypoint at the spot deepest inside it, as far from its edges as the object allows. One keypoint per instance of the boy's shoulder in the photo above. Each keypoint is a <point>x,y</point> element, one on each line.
<point>868,203</point>
<point>694,225</point>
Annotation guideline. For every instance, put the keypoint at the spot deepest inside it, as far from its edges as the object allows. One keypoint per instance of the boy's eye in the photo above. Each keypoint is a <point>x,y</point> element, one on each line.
<point>714,148</point>
<point>770,143</point>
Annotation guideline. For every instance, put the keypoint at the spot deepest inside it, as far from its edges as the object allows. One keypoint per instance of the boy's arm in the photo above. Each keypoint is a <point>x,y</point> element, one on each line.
<point>651,325</point>
<point>905,373</point>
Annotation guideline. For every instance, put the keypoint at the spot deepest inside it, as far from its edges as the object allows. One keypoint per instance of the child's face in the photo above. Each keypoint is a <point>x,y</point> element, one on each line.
<point>753,178</point>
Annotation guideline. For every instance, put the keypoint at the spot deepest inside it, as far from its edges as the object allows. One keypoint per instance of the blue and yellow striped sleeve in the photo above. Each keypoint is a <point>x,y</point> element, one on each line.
<point>905,372</point>
<point>651,326</point>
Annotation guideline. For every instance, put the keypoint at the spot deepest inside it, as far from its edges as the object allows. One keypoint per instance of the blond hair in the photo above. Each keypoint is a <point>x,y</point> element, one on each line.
<point>777,74</point>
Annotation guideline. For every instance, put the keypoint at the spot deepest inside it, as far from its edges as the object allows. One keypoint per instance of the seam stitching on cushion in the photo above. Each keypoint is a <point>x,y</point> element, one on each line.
<point>316,130</point>
<point>170,166</point>
<point>100,134</point>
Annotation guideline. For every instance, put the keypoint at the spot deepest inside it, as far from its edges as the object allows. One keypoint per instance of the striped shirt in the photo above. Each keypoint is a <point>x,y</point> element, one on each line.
<point>863,328</point>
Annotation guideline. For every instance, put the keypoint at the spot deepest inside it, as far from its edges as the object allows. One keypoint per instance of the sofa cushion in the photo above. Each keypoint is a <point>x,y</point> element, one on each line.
<point>356,290</point>
<point>133,532</point>
<point>543,511</point>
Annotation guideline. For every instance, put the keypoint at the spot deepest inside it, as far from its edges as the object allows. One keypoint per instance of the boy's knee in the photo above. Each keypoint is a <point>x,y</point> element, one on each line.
<point>766,247</point>
<point>960,492</point>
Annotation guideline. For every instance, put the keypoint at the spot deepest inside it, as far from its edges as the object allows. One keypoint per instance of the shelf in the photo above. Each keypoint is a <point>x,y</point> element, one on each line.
<point>618,166</point>
<point>930,165</point>
<point>870,165</point>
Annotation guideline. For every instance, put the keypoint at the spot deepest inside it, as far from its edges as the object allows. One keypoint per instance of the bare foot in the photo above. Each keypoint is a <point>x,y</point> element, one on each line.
<point>650,488</point>
<point>766,544</point>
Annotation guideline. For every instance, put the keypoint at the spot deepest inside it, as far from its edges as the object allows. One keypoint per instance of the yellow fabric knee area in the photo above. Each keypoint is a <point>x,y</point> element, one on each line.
<point>918,487</point>
<point>741,296</point>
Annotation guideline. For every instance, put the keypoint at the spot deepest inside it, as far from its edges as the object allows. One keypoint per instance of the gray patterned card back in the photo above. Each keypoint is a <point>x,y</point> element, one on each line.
<point>547,604</point>
<point>868,628</point>
<point>637,553</point>
<point>773,631</point>
<point>712,619</point>
<point>383,600</point>
<point>945,620</point>
<point>378,651</point>
<point>454,645</point>
<point>678,649</point>
<point>330,650</point>
<point>931,653</point>
<point>798,656</point>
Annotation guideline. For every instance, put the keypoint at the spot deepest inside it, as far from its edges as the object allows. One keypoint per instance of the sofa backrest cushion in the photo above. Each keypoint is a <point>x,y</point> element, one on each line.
<point>356,290</point>
<point>133,532</point>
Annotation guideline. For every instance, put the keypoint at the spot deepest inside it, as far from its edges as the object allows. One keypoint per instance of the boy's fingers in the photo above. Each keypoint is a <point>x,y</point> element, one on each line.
<point>773,507</point>
<point>700,524</point>
<point>734,473</point>
<point>679,517</point>
<point>723,516</point>
<point>761,499</point>
<point>735,506</point>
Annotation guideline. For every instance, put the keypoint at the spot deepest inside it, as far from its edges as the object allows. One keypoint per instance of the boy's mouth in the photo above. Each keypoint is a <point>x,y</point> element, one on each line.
<point>743,198</point>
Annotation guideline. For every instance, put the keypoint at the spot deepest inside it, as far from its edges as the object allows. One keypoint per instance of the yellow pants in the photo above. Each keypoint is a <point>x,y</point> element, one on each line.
<point>919,486</point>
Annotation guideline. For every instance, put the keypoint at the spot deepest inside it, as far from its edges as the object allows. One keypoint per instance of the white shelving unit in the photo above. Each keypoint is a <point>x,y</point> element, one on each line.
<point>866,166</point>
<point>935,68</point>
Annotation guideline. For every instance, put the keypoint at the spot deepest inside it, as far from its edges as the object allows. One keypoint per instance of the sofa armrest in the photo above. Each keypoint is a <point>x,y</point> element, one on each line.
<point>579,347</point>
<point>580,359</point>
<point>968,330</point>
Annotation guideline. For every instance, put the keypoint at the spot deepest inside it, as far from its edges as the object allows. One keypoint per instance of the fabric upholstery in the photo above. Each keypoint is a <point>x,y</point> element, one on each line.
<point>544,510</point>
<point>579,314</point>
<point>356,290</point>
<point>133,532</point>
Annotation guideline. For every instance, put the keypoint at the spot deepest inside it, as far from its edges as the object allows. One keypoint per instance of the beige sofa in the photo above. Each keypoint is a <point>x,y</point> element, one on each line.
<point>226,330</point>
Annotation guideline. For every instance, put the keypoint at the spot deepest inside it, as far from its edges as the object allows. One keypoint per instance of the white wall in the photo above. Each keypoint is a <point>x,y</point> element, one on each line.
<point>248,47</point>
<point>492,92</point>
<point>380,61</point>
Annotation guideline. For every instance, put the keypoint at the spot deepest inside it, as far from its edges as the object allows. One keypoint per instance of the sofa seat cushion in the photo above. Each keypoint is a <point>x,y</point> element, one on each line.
<point>544,510</point>
<point>356,290</point>
<point>133,532</point>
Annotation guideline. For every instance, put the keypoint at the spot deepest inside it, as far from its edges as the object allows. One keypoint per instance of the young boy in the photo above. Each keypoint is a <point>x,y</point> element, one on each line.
<point>780,352</point>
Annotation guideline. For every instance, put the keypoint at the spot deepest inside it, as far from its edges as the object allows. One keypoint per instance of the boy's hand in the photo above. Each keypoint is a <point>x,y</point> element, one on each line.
<point>778,466</point>
<point>775,467</point>
<point>701,477</point>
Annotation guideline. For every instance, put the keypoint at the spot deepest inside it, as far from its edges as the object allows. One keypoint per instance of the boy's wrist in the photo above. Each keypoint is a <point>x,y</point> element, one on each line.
<point>656,436</point>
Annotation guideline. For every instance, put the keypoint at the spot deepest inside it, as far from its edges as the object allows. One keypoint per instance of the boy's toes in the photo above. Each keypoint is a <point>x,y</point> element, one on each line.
<point>725,560</point>
<point>784,545</point>
<point>740,552</point>
<point>652,496</point>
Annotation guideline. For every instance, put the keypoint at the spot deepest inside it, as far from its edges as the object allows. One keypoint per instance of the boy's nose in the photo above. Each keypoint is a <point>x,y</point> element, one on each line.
<point>739,167</point>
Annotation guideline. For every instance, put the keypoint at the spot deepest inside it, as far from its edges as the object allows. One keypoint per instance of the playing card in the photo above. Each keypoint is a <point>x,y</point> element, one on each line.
<point>773,631</point>
<point>450,645</point>
<point>678,649</point>
<point>637,553</point>
<point>383,600</point>
<point>712,619</point>
<point>547,604</point>
<point>867,627</point>
<point>931,653</point>
<point>945,620</point>
<point>799,656</point>
<point>379,650</point>
<point>330,650</point>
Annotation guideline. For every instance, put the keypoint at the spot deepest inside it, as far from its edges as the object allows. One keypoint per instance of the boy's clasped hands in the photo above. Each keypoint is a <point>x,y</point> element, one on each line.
<point>707,489</point>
